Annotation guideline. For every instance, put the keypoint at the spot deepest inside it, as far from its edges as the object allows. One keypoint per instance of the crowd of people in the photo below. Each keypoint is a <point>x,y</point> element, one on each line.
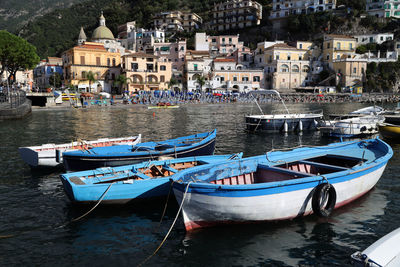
<point>189,97</point>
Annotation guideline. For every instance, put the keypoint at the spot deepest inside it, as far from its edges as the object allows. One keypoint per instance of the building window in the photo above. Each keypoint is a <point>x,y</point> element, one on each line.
<point>245,79</point>
<point>162,78</point>
<point>195,67</point>
<point>162,67</point>
<point>288,57</point>
<point>222,79</point>
<point>295,68</point>
<point>83,75</point>
<point>83,60</point>
<point>354,70</point>
<point>149,67</point>
<point>113,62</point>
<point>98,61</point>
<point>108,62</point>
<point>284,68</point>
<point>134,66</point>
<point>235,79</point>
<point>256,78</point>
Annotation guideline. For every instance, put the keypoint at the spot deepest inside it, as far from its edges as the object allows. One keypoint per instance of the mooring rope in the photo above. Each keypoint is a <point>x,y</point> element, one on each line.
<point>170,229</point>
<point>166,204</point>
<point>98,202</point>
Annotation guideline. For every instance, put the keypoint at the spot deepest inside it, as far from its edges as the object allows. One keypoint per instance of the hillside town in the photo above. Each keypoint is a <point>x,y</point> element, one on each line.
<point>137,59</point>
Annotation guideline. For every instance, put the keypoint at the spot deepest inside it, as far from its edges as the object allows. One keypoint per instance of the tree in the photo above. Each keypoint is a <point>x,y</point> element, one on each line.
<point>120,81</point>
<point>172,82</point>
<point>16,54</point>
<point>201,80</point>
<point>55,80</point>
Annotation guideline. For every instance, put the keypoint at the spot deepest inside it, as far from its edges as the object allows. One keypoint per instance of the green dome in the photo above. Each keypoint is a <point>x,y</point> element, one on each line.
<point>102,32</point>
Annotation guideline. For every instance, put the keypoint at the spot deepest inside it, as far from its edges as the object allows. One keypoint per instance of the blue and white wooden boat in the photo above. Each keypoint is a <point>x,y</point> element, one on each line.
<point>280,185</point>
<point>120,185</point>
<point>50,155</point>
<point>188,146</point>
<point>383,253</point>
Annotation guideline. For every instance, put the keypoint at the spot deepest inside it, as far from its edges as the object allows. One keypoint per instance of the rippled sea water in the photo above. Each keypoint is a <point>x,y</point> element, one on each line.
<point>35,213</point>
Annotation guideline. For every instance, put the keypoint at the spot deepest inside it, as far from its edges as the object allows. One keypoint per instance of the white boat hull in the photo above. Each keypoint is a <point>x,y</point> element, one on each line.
<point>201,210</point>
<point>46,155</point>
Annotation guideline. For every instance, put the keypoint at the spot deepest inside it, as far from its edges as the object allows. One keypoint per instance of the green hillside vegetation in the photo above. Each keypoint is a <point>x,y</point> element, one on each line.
<point>58,31</point>
<point>15,13</point>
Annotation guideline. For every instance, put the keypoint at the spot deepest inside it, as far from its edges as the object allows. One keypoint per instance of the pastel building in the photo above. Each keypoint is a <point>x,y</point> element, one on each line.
<point>351,71</point>
<point>197,64</point>
<point>172,21</point>
<point>383,9</point>
<point>235,14</point>
<point>218,45</point>
<point>378,38</point>
<point>337,47</point>
<point>139,39</point>
<point>229,76</point>
<point>259,58</point>
<point>289,67</point>
<point>146,72</point>
<point>173,52</point>
<point>46,69</point>
<point>95,58</point>
<point>285,8</point>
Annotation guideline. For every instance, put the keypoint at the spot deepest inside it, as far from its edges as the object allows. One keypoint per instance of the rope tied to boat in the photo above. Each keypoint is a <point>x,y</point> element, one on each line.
<point>170,229</point>
<point>166,203</point>
<point>95,206</point>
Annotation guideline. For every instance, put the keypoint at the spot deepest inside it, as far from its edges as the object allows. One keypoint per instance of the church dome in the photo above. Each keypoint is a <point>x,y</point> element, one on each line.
<point>102,32</point>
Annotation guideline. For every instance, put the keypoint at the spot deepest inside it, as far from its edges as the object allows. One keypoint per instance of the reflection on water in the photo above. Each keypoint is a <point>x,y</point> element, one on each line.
<point>35,211</point>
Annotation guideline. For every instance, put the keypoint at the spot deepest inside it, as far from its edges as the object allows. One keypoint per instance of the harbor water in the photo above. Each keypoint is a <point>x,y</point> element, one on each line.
<point>35,214</point>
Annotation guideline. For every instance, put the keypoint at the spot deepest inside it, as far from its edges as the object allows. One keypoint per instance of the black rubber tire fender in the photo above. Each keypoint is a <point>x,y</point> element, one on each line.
<point>319,208</point>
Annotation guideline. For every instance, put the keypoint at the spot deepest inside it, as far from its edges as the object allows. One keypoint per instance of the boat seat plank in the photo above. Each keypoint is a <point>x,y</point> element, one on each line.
<point>329,166</point>
<point>169,168</point>
<point>284,170</point>
<point>76,180</point>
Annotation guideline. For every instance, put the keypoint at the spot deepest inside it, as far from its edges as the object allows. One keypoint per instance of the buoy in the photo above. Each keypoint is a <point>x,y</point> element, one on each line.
<point>154,114</point>
<point>285,127</point>
<point>300,125</point>
<point>315,123</point>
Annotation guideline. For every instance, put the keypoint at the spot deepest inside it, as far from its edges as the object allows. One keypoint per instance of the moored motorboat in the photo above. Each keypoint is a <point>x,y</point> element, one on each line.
<point>383,253</point>
<point>50,155</point>
<point>193,145</point>
<point>388,130</point>
<point>120,185</point>
<point>351,127</point>
<point>280,185</point>
<point>281,121</point>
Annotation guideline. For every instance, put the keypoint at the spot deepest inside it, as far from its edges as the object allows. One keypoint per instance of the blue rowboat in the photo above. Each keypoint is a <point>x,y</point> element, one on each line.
<point>201,144</point>
<point>120,185</point>
<point>280,185</point>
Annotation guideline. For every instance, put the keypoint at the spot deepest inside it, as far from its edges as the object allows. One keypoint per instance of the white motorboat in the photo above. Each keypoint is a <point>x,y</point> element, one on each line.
<point>364,125</point>
<point>371,110</point>
<point>50,155</point>
<point>283,121</point>
<point>383,253</point>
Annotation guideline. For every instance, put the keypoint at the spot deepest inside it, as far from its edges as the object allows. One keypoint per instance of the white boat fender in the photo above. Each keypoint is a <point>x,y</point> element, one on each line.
<point>300,125</point>
<point>323,199</point>
<point>285,127</point>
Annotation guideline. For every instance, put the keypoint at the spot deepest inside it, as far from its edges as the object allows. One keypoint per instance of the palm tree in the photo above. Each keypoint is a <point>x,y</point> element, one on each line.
<point>90,77</point>
<point>201,80</point>
<point>121,80</point>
